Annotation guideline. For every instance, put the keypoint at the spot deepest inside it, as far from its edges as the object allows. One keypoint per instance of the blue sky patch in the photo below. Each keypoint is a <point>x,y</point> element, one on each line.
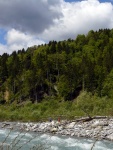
<point>2,36</point>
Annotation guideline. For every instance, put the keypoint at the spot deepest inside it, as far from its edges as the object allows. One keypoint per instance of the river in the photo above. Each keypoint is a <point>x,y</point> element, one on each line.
<point>14,140</point>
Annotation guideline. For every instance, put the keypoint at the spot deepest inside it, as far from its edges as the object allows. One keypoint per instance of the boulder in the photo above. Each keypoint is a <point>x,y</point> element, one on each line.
<point>34,126</point>
<point>99,123</point>
<point>54,129</point>
<point>70,125</point>
<point>110,137</point>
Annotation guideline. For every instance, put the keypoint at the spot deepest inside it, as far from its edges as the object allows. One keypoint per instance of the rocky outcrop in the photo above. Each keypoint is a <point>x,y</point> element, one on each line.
<point>99,128</point>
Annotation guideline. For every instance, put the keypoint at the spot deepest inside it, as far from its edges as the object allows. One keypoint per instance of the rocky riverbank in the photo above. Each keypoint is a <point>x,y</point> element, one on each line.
<point>98,127</point>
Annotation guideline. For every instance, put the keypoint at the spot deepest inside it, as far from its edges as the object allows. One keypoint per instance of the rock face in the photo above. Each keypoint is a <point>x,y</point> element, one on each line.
<point>96,128</point>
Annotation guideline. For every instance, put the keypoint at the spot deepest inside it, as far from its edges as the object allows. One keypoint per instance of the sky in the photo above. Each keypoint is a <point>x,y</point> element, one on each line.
<point>34,22</point>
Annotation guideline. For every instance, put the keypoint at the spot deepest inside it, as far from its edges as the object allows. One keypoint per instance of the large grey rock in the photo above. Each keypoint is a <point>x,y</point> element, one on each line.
<point>99,123</point>
<point>54,129</point>
<point>70,125</point>
<point>110,137</point>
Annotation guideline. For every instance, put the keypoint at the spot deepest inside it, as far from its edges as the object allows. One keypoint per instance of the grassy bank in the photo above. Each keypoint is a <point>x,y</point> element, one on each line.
<point>55,107</point>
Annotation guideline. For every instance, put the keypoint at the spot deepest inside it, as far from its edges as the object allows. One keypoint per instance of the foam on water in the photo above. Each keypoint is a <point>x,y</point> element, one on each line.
<point>2,131</point>
<point>28,135</point>
<point>55,139</point>
<point>103,145</point>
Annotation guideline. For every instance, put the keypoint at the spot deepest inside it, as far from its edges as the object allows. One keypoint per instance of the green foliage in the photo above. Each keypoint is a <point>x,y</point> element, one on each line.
<point>59,69</point>
<point>93,104</point>
<point>85,101</point>
<point>85,104</point>
<point>108,85</point>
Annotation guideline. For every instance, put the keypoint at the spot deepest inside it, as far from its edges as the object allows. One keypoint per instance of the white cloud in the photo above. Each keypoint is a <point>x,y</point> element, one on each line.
<point>16,40</point>
<point>14,36</point>
<point>79,18</point>
<point>3,49</point>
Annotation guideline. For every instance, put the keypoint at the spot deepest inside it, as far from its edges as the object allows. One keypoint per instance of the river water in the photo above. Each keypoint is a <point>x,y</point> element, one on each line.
<point>16,140</point>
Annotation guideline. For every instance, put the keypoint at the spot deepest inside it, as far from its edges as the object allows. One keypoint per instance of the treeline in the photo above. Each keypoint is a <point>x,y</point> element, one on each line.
<point>60,69</point>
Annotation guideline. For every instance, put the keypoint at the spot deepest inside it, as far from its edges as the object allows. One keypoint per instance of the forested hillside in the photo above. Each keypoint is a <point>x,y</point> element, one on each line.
<point>60,69</point>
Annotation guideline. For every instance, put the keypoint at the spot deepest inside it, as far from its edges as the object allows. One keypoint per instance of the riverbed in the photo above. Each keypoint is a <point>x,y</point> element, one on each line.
<point>79,134</point>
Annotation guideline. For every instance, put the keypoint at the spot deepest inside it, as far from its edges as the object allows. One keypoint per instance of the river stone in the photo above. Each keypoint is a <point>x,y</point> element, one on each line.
<point>42,126</point>
<point>71,125</point>
<point>54,129</point>
<point>99,123</point>
<point>72,134</point>
<point>53,123</point>
<point>110,137</point>
<point>60,128</point>
<point>34,126</point>
<point>95,124</point>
